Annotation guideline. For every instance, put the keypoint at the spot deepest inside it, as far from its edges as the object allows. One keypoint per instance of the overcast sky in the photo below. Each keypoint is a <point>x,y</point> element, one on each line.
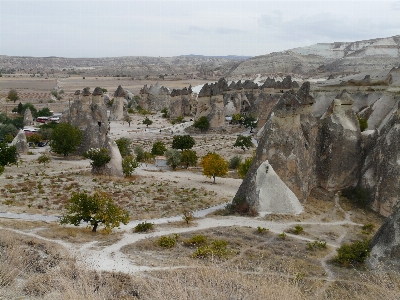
<point>171,28</point>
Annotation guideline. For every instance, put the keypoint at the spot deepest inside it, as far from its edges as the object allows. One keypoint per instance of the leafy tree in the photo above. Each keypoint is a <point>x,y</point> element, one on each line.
<point>34,138</point>
<point>94,210</point>
<point>139,153</point>
<point>8,129</point>
<point>250,122</point>
<point>44,112</point>
<point>8,138</point>
<point>147,122</point>
<point>129,164</point>
<point>123,146</point>
<point>202,123</point>
<point>18,122</point>
<point>182,142</point>
<point>31,107</point>
<point>8,154</point>
<point>189,158</point>
<point>244,167</point>
<point>237,118</point>
<point>20,108</point>
<point>158,148</point>
<point>214,165</point>
<point>65,139</point>
<point>128,120</point>
<point>99,157</point>
<point>353,253</point>
<point>3,118</point>
<point>104,90</point>
<point>13,95</point>
<point>243,142</point>
<point>173,158</point>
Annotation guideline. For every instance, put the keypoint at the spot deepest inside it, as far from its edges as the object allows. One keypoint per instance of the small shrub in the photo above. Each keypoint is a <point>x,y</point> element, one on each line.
<point>143,227</point>
<point>129,164</point>
<point>316,245</point>
<point>217,248</point>
<point>187,216</point>
<point>353,253</point>
<point>367,228</point>
<point>234,162</point>
<point>1,169</point>
<point>44,159</point>
<point>196,240</point>
<point>261,230</point>
<point>99,157</point>
<point>167,241</point>
<point>297,230</point>
<point>282,235</point>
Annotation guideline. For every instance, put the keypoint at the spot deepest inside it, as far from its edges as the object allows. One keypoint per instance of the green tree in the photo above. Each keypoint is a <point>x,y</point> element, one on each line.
<point>189,158</point>
<point>244,167</point>
<point>173,158</point>
<point>94,210</point>
<point>124,146</point>
<point>13,95</point>
<point>31,107</point>
<point>128,120</point>
<point>234,162</point>
<point>20,108</point>
<point>44,112</point>
<point>8,154</point>
<point>18,122</point>
<point>202,123</point>
<point>250,122</point>
<point>34,138</point>
<point>99,157</point>
<point>139,152</point>
<point>237,118</point>
<point>353,253</point>
<point>214,165</point>
<point>158,148</point>
<point>129,164</point>
<point>243,142</point>
<point>147,122</point>
<point>183,142</point>
<point>65,139</point>
<point>8,138</point>
<point>7,129</point>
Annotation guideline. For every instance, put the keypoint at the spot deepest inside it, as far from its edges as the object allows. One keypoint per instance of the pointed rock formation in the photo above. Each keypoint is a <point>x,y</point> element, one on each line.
<point>21,143</point>
<point>28,119</point>
<point>117,109</point>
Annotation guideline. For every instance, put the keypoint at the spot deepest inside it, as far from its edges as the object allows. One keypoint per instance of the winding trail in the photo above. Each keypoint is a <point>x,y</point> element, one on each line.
<point>111,258</point>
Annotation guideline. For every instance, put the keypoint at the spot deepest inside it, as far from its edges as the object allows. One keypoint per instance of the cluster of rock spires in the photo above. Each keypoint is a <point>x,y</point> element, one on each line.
<point>329,151</point>
<point>89,114</point>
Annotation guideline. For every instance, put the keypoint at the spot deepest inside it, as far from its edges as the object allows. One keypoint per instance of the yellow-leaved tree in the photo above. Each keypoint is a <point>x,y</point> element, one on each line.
<point>214,165</point>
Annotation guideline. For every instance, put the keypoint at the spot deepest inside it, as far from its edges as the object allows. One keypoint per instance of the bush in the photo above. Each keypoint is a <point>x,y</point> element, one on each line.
<point>316,245</point>
<point>234,162</point>
<point>261,230</point>
<point>8,155</point>
<point>297,229</point>
<point>353,253</point>
<point>129,164</point>
<point>166,241</point>
<point>1,169</point>
<point>217,248</point>
<point>187,216</point>
<point>363,123</point>
<point>367,228</point>
<point>357,195</point>
<point>44,159</point>
<point>244,167</point>
<point>99,157</point>
<point>196,240</point>
<point>143,227</point>
<point>282,235</point>
<point>139,153</point>
<point>123,146</point>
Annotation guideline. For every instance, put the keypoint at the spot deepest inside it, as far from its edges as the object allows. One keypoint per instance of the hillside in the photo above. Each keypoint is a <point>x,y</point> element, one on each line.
<point>338,57</point>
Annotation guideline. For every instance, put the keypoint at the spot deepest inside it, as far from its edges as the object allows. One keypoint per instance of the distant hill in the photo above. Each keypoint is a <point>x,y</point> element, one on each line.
<point>338,57</point>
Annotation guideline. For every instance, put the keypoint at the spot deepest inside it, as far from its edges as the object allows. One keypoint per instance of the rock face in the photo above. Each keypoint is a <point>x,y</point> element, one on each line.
<point>272,194</point>
<point>330,152</point>
<point>117,108</point>
<point>20,143</point>
<point>92,120</point>
<point>381,168</point>
<point>28,119</point>
<point>385,245</point>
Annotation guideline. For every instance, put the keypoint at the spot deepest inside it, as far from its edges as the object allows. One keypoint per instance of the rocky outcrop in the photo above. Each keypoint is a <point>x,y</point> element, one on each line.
<point>385,245</point>
<point>367,81</point>
<point>381,168</point>
<point>28,119</point>
<point>286,83</point>
<point>117,108</point>
<point>20,143</point>
<point>271,193</point>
